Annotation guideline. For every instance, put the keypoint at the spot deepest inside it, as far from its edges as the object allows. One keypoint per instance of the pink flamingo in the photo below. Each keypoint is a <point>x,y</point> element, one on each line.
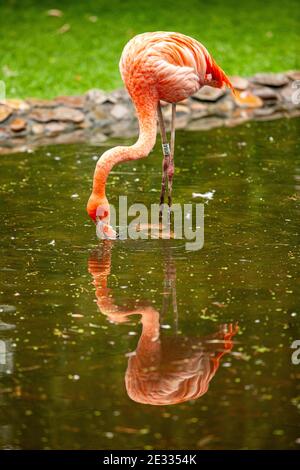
<point>154,66</point>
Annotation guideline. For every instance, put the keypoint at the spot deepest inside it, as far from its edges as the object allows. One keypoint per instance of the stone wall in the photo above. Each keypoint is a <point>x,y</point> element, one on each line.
<point>97,115</point>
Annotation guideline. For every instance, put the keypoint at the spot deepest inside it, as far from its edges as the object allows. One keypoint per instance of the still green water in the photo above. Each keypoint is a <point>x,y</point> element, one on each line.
<point>75,364</point>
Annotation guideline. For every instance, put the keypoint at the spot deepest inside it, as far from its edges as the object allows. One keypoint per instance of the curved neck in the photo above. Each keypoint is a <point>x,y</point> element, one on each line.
<point>147,116</point>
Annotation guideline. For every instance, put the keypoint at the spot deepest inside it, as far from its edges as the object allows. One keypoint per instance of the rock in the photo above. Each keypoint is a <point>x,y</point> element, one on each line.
<point>294,113</point>
<point>99,97</point>
<point>182,122</point>
<point>41,103</point>
<point>61,113</point>
<point>84,124</point>
<point>265,93</point>
<point>198,109</point>
<point>119,95</point>
<point>242,113</point>
<point>5,112</point>
<point>262,112</point>
<point>37,129</point>
<point>69,137</point>
<point>72,101</point>
<point>166,112</point>
<point>270,79</point>
<point>7,150</point>
<point>17,105</point>
<point>3,133</point>
<point>239,83</point>
<point>182,112</point>
<point>206,123</point>
<point>222,107</point>
<point>19,145</point>
<point>271,117</point>
<point>121,128</point>
<point>208,93</point>
<point>68,114</point>
<point>236,121</point>
<point>44,115</point>
<point>239,116</point>
<point>182,116</point>
<point>98,114</point>
<point>119,111</point>
<point>56,127</point>
<point>185,102</point>
<point>97,138</point>
<point>293,74</point>
<point>107,128</point>
<point>18,125</point>
<point>246,99</point>
<point>291,95</point>
<point>182,109</point>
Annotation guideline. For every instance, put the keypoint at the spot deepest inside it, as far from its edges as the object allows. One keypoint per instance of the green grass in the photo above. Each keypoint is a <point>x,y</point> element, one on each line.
<point>35,60</point>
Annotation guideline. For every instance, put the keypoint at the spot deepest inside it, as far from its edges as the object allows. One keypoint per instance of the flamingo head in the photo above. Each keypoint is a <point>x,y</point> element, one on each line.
<point>216,77</point>
<point>99,211</point>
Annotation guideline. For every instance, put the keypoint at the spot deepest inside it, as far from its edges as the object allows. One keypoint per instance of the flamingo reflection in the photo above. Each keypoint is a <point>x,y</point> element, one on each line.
<point>164,369</point>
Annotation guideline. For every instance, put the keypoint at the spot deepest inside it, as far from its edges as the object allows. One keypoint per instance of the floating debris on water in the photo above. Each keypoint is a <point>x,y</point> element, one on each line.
<point>208,195</point>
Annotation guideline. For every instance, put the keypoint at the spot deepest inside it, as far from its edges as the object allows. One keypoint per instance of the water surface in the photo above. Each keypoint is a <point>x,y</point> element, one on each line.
<point>78,367</point>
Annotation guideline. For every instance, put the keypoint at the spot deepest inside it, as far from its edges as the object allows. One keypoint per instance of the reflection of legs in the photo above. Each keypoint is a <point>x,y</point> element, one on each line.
<point>175,309</point>
<point>166,153</point>
<point>169,293</point>
<point>166,299</point>
<point>171,163</point>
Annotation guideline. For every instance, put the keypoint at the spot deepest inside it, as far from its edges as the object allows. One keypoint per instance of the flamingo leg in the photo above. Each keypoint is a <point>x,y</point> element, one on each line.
<point>166,154</point>
<point>171,167</point>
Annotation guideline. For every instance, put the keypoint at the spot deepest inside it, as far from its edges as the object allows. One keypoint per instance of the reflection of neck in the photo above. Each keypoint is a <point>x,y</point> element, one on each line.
<point>100,267</point>
<point>146,112</point>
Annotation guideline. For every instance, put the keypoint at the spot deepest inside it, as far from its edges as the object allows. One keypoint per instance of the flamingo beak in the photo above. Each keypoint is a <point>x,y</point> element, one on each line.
<point>105,231</point>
